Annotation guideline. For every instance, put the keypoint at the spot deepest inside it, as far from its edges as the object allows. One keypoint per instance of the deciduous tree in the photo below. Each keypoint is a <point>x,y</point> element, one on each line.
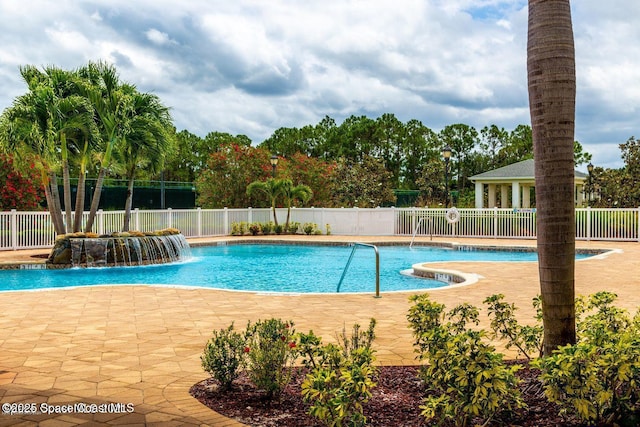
<point>224,180</point>
<point>364,185</point>
<point>19,189</point>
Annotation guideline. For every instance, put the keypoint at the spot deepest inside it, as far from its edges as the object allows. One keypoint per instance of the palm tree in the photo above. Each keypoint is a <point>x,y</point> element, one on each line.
<point>83,159</point>
<point>552,92</point>
<point>291,193</point>
<point>272,188</point>
<point>113,102</point>
<point>145,144</point>
<point>26,134</point>
<point>75,126</point>
<point>47,122</point>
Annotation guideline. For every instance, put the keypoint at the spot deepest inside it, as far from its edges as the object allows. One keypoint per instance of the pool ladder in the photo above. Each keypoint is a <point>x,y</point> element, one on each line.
<point>353,251</point>
<point>415,230</point>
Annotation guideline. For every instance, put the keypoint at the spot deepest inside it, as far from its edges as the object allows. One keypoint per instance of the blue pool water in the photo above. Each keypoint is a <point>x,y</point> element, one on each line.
<point>268,268</point>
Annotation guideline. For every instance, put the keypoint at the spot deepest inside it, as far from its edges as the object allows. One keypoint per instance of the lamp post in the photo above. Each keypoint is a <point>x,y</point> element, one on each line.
<point>274,164</point>
<point>590,183</point>
<point>162,200</point>
<point>446,153</point>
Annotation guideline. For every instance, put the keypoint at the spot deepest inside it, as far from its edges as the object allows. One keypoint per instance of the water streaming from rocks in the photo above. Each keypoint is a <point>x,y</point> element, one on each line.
<point>120,250</point>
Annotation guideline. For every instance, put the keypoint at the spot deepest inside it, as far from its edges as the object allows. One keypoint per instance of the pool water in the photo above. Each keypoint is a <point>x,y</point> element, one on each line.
<point>268,268</point>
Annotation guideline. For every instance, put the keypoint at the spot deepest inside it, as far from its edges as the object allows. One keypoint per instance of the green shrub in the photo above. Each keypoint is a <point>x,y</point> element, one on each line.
<point>255,229</point>
<point>223,356</point>
<point>598,378</point>
<point>267,227</point>
<point>293,227</point>
<point>278,229</point>
<point>238,228</point>
<point>465,377</point>
<point>309,228</point>
<point>328,228</point>
<point>341,376</point>
<point>527,339</point>
<point>271,353</point>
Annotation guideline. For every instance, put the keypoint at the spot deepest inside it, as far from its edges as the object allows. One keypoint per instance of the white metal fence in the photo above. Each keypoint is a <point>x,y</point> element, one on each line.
<point>24,230</point>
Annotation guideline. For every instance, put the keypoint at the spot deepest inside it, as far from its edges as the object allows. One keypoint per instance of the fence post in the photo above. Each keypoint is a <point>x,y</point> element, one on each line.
<point>495,222</point>
<point>100,221</point>
<point>588,225</point>
<point>638,222</point>
<point>249,215</point>
<point>394,222</point>
<point>199,222</point>
<point>413,222</point>
<point>451,226</point>
<point>225,219</point>
<point>14,229</point>
<point>136,211</point>
<point>170,215</point>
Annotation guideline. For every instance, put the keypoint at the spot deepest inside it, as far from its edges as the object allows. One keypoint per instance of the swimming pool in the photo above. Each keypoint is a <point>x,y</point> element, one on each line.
<point>270,268</point>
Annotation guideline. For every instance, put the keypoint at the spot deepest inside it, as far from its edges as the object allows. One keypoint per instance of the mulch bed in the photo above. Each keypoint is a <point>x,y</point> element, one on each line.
<point>396,402</point>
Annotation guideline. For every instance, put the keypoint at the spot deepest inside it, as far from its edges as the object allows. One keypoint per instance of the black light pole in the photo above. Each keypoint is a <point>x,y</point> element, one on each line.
<point>274,164</point>
<point>446,153</point>
<point>590,183</point>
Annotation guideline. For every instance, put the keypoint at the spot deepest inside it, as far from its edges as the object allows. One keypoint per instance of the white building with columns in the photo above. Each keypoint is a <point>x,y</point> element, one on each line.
<point>515,183</point>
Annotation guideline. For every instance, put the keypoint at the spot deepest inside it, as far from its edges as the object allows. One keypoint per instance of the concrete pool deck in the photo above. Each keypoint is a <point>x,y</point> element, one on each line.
<point>141,345</point>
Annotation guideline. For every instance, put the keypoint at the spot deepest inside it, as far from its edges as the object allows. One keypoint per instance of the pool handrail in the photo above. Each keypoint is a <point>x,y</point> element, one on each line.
<point>344,272</point>
<point>415,230</point>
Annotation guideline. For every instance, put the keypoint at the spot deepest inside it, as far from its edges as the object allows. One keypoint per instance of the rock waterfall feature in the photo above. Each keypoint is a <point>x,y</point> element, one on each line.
<point>118,249</point>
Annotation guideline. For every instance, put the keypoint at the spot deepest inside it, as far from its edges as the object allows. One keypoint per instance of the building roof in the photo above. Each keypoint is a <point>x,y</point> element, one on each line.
<point>524,170</point>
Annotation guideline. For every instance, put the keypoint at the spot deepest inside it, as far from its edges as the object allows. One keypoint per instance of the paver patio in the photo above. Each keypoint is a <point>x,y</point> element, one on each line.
<point>141,345</point>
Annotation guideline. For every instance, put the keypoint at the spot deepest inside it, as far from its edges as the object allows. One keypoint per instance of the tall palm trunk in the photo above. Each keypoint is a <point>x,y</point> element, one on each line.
<point>80,190</point>
<point>286,223</point>
<point>54,208</point>
<point>97,192</point>
<point>128,203</point>
<point>275,216</point>
<point>79,207</point>
<point>552,92</point>
<point>51,204</point>
<point>95,202</point>
<point>66,182</point>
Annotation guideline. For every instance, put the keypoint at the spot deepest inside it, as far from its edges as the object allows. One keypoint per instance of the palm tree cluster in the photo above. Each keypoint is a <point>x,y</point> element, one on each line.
<point>283,189</point>
<point>86,117</point>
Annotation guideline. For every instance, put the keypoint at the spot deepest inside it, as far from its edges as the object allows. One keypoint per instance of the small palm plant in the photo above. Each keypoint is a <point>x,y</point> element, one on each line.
<point>272,188</point>
<point>291,193</point>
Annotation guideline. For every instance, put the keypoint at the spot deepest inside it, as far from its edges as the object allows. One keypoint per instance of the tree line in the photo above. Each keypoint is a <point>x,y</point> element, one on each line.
<point>89,123</point>
<point>368,159</point>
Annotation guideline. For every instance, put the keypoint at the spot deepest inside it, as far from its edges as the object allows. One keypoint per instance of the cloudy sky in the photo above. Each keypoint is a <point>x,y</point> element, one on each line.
<point>253,66</point>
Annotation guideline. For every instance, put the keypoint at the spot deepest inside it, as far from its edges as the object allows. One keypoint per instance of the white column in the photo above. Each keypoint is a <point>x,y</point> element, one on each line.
<point>515,195</point>
<point>492,196</point>
<point>526,196</point>
<point>504,196</point>
<point>580,193</point>
<point>479,195</point>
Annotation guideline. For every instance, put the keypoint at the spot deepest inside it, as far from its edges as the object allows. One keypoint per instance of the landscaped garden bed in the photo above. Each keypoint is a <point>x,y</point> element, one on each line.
<point>461,380</point>
<point>395,402</point>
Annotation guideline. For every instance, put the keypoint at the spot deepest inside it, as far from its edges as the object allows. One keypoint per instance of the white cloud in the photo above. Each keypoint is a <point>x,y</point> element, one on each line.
<point>250,67</point>
<point>158,37</point>
<point>68,39</point>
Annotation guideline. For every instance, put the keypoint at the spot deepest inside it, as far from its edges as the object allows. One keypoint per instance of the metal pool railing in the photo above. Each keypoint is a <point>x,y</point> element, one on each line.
<point>353,251</point>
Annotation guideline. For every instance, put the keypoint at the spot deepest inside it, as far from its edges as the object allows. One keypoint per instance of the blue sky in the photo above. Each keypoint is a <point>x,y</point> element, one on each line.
<point>251,67</point>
